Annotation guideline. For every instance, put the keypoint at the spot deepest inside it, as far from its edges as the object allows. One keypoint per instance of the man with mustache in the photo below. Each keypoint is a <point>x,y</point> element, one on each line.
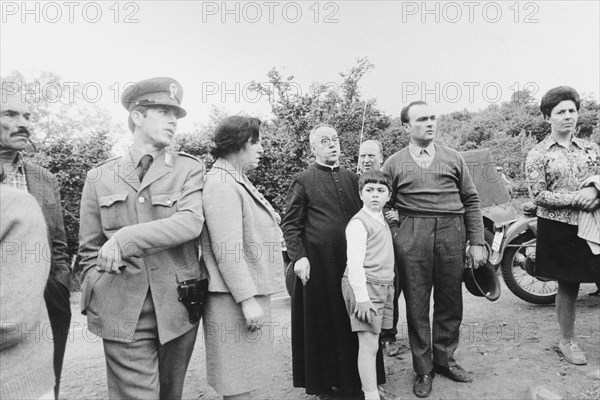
<point>320,203</point>
<point>140,217</point>
<point>21,174</point>
<point>439,210</point>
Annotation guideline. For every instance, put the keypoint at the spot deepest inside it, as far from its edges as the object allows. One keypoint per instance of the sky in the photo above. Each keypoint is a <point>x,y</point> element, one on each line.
<point>454,55</point>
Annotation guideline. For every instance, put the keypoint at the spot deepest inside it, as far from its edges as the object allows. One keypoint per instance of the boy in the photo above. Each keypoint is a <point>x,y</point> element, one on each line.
<point>368,281</point>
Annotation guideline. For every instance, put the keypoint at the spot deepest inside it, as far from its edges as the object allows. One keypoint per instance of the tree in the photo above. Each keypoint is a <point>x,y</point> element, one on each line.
<point>287,149</point>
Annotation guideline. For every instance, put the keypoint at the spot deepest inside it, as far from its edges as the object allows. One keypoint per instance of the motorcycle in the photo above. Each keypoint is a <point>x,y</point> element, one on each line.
<point>510,236</point>
<point>513,249</point>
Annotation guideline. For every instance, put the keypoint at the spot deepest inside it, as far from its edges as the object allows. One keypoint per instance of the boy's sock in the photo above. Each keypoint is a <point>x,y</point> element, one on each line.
<point>374,395</point>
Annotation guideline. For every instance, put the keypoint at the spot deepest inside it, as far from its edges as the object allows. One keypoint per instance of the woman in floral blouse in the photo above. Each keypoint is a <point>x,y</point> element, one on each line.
<point>563,175</point>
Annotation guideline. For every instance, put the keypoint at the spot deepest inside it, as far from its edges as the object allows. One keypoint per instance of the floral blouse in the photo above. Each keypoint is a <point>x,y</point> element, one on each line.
<point>554,173</point>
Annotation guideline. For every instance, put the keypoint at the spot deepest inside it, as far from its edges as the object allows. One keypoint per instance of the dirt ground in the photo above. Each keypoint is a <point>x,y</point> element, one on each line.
<point>510,346</point>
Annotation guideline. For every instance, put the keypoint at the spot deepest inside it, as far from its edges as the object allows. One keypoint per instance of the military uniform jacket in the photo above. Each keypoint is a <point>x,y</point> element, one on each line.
<point>156,224</point>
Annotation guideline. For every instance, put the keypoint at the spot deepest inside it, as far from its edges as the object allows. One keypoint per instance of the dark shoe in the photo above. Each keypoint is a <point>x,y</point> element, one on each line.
<point>423,385</point>
<point>385,395</point>
<point>456,373</point>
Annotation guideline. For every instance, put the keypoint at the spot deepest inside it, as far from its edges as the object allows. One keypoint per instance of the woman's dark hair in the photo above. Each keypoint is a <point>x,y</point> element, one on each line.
<point>373,176</point>
<point>555,96</point>
<point>232,133</point>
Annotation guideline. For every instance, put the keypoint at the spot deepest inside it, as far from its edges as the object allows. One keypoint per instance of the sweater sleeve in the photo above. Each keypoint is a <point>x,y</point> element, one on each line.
<point>391,204</point>
<point>470,200</point>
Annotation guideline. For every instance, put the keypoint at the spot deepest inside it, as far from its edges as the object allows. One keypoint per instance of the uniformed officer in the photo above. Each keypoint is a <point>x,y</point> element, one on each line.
<point>140,217</point>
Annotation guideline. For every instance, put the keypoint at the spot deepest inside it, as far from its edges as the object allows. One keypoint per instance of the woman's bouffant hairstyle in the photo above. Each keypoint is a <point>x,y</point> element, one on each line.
<point>555,96</point>
<point>232,133</point>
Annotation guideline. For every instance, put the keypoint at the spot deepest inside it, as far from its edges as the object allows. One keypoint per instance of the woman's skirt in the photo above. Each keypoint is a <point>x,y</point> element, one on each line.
<point>237,360</point>
<point>562,255</point>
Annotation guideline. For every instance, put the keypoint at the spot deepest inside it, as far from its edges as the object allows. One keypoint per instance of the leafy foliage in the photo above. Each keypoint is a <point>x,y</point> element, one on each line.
<point>74,135</point>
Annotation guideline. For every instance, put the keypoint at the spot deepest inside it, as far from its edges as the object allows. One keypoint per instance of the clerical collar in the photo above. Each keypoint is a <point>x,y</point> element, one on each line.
<point>327,167</point>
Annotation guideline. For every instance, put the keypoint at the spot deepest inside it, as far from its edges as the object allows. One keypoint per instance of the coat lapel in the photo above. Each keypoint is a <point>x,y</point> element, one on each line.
<point>238,176</point>
<point>34,184</point>
<point>127,171</point>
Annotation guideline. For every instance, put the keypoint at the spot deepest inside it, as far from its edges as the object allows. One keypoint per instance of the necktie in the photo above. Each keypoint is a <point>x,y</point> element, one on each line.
<point>145,163</point>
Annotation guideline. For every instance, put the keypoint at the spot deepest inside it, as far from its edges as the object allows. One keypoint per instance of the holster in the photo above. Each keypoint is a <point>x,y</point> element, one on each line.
<point>192,294</point>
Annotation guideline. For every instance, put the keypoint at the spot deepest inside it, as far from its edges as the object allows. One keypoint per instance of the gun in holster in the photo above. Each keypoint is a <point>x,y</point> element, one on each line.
<point>192,294</point>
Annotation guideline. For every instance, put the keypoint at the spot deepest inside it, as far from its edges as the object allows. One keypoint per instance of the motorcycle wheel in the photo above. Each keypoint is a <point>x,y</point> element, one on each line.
<point>523,285</point>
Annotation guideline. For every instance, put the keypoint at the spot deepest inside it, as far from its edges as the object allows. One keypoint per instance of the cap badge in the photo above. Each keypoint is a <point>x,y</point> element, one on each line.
<point>173,90</point>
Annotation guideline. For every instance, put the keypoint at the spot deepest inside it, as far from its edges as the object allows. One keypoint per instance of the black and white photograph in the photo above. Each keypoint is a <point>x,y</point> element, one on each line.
<point>300,200</point>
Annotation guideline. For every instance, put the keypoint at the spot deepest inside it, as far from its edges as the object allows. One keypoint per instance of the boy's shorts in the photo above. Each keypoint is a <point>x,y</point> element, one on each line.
<point>382,298</point>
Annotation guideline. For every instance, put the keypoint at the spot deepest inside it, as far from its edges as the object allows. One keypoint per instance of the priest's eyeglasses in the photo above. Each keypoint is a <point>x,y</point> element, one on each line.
<point>327,141</point>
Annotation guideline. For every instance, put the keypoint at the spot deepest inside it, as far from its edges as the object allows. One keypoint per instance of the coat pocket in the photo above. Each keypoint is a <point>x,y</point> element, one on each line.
<point>113,210</point>
<point>87,286</point>
<point>165,204</point>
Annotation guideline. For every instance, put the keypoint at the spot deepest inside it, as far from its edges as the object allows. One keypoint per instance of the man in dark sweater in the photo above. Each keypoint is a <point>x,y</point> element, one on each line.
<point>439,211</point>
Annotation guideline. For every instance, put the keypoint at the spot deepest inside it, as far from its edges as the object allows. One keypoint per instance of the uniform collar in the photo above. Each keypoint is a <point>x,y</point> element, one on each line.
<point>137,155</point>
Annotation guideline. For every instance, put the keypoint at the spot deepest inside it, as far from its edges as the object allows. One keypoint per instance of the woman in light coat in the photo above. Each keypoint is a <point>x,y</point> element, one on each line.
<point>241,246</point>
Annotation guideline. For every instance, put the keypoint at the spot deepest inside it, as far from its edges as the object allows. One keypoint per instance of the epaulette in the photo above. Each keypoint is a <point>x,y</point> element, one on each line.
<point>105,161</point>
<point>181,153</point>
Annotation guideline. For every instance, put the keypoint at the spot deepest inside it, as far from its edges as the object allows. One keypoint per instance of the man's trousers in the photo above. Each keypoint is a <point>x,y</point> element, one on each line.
<point>144,368</point>
<point>431,254</point>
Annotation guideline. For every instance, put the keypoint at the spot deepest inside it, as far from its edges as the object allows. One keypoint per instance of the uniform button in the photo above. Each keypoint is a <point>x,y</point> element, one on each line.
<point>168,201</point>
<point>141,200</point>
<point>340,190</point>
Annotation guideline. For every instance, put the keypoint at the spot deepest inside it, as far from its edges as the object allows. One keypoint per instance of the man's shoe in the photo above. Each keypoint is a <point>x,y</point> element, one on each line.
<point>572,353</point>
<point>385,395</point>
<point>423,385</point>
<point>456,373</point>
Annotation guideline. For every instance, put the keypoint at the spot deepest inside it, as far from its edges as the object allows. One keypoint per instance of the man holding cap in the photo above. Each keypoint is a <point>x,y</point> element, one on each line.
<point>140,217</point>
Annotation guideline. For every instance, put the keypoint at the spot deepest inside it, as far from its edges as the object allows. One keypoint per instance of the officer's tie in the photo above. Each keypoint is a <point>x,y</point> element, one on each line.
<point>145,163</point>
